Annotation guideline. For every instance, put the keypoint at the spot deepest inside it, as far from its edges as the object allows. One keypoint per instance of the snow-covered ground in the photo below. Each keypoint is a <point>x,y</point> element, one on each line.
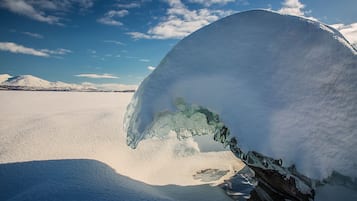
<point>71,146</point>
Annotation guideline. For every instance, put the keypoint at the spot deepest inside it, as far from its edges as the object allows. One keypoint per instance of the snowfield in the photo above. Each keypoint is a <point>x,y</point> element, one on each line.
<point>71,146</point>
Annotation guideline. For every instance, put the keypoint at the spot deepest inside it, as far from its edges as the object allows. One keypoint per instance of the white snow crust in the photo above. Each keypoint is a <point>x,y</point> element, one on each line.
<point>285,87</point>
<point>71,146</point>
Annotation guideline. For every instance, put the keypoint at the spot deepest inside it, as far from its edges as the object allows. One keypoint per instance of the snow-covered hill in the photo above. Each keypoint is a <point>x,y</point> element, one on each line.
<point>4,77</point>
<point>27,81</point>
<point>30,82</point>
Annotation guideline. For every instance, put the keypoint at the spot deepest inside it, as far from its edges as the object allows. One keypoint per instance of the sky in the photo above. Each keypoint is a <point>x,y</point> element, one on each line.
<point>120,41</point>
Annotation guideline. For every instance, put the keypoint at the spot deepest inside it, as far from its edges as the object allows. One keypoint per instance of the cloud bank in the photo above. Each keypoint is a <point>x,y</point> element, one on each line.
<point>47,11</point>
<point>211,2</point>
<point>98,76</point>
<point>20,49</point>
<point>111,17</point>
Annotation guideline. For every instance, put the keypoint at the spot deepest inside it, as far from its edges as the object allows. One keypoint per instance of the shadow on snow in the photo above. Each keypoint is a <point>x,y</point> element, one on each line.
<point>82,179</point>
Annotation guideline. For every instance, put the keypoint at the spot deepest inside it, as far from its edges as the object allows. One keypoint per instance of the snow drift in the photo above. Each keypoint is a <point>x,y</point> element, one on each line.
<point>285,86</point>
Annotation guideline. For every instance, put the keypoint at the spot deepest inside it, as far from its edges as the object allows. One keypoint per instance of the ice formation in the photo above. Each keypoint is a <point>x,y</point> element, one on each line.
<point>284,86</point>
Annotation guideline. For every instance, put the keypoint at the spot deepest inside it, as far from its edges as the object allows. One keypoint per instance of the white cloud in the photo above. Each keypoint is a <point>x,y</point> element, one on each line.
<point>292,7</point>
<point>118,13</point>
<point>34,35</point>
<point>180,22</point>
<point>349,31</point>
<point>19,49</point>
<point>129,5</point>
<point>295,7</point>
<point>108,86</point>
<point>138,35</point>
<point>61,5</point>
<point>211,2</point>
<point>59,51</point>
<point>111,17</point>
<point>97,76</point>
<point>114,42</point>
<point>109,21</point>
<point>38,10</point>
<point>144,60</point>
<point>23,7</point>
<point>151,68</point>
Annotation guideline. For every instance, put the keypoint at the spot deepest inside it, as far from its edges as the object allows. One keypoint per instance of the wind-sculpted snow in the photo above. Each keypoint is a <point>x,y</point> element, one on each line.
<point>284,86</point>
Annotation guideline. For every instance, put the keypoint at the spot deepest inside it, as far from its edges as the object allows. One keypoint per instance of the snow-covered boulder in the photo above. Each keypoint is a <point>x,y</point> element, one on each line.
<point>285,86</point>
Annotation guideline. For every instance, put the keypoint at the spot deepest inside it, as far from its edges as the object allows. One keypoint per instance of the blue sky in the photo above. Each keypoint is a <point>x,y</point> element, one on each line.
<point>119,41</point>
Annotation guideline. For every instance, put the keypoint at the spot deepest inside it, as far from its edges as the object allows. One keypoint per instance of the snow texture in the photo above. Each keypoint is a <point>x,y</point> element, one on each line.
<point>285,87</point>
<point>71,146</point>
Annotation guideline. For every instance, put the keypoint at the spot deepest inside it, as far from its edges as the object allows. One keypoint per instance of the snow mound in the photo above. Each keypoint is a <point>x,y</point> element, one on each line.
<point>284,86</point>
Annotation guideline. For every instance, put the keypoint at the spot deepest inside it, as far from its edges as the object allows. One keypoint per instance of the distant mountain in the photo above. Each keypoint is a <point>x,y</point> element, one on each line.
<point>4,77</point>
<point>27,81</point>
<point>32,83</point>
